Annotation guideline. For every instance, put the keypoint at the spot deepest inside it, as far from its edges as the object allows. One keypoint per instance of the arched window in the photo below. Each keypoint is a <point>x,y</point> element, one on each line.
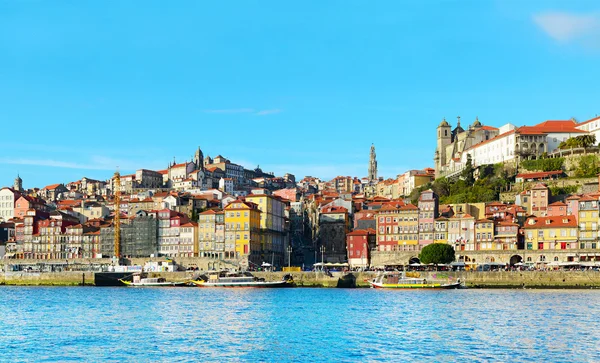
<point>528,259</point>
<point>556,258</point>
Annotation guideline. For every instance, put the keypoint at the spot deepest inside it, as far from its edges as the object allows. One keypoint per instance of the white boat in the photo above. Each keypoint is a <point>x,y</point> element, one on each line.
<point>138,281</point>
<point>243,279</point>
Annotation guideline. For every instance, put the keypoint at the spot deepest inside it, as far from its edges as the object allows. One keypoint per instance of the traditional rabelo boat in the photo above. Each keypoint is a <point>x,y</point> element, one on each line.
<point>139,281</point>
<point>239,279</point>
<point>398,280</point>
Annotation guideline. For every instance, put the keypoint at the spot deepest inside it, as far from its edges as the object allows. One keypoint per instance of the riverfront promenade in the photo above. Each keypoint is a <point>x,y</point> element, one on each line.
<point>492,279</point>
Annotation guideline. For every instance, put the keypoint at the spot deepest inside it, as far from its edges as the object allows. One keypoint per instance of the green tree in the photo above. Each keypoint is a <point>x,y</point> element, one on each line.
<point>587,141</point>
<point>467,173</point>
<point>587,167</point>
<point>437,253</point>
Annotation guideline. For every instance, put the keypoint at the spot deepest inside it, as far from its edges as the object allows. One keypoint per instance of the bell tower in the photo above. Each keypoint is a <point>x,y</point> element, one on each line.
<point>373,165</point>
<point>18,184</point>
<point>444,138</point>
<point>199,159</point>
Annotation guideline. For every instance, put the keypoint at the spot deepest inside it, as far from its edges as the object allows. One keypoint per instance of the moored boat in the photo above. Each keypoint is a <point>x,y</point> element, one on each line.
<point>397,280</point>
<point>243,279</point>
<point>138,281</point>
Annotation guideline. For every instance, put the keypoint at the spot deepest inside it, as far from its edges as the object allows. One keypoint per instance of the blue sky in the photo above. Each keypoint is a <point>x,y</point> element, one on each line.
<point>301,87</point>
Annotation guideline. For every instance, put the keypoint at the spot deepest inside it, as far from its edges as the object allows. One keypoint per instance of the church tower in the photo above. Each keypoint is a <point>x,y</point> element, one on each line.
<point>18,184</point>
<point>199,159</point>
<point>444,138</point>
<point>373,165</point>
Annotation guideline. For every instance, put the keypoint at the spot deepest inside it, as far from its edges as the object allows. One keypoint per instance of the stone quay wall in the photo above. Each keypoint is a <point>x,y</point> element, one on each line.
<point>386,258</point>
<point>492,279</point>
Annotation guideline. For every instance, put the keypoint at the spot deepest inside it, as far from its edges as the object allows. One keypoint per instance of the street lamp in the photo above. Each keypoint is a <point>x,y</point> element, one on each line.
<point>322,249</point>
<point>289,251</point>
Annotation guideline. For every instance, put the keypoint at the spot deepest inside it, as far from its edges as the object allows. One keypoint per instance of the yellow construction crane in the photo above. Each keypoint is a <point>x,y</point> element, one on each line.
<point>117,218</point>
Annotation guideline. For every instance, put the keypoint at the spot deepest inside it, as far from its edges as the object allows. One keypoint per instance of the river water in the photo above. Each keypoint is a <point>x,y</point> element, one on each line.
<point>297,325</point>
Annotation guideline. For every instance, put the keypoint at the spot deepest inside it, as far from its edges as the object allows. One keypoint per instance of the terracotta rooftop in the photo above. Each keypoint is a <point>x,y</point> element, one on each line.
<point>550,222</point>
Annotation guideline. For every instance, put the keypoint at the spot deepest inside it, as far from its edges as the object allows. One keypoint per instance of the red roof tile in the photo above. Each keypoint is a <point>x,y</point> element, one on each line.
<point>550,222</point>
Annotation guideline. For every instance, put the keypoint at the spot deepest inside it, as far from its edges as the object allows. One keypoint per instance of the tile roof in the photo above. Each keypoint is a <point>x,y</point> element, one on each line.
<point>557,204</point>
<point>542,174</point>
<point>362,232</point>
<point>551,126</point>
<point>550,222</point>
<point>588,121</point>
<point>50,187</point>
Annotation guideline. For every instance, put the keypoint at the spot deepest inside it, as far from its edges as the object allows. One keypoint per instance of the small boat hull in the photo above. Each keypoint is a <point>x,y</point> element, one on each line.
<point>253,284</point>
<point>152,284</point>
<point>427,286</point>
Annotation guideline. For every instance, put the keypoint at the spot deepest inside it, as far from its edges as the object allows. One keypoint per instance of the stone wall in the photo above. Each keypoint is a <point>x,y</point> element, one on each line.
<point>383,258</point>
<point>493,279</point>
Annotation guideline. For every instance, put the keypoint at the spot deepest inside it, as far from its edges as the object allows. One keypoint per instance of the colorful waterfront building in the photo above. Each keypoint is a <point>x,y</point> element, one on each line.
<point>550,233</point>
<point>484,235</point>
<point>388,236</point>
<point>188,241</point>
<point>461,229</point>
<point>588,222</point>
<point>506,235</point>
<point>539,199</point>
<point>408,227</point>
<point>441,230</point>
<point>557,209</point>
<point>207,234</point>
<point>428,211</point>
<point>359,244</point>
<point>272,226</point>
<point>242,228</point>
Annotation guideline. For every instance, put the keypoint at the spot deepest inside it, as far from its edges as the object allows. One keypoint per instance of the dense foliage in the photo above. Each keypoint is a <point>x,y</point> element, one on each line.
<point>437,253</point>
<point>569,189</point>
<point>584,141</point>
<point>587,167</point>
<point>543,164</point>
<point>492,180</point>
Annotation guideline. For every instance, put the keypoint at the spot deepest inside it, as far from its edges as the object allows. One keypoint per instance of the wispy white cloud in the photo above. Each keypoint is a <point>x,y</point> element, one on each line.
<point>51,163</point>
<point>232,110</point>
<point>244,110</point>
<point>565,27</point>
<point>268,112</point>
<point>96,162</point>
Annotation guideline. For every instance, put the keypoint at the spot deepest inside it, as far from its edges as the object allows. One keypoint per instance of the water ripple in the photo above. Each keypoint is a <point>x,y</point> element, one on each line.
<point>48,324</point>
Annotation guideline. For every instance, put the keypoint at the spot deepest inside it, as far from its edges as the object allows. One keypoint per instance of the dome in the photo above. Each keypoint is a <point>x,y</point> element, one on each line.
<point>476,123</point>
<point>444,123</point>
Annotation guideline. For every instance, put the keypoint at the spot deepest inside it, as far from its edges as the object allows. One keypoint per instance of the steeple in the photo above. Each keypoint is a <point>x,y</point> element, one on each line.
<point>372,165</point>
<point>199,159</point>
<point>18,184</point>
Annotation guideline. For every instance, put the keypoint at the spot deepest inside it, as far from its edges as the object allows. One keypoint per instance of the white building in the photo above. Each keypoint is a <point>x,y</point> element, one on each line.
<point>592,126</point>
<point>179,172</point>
<point>518,142</point>
<point>8,197</point>
<point>226,185</point>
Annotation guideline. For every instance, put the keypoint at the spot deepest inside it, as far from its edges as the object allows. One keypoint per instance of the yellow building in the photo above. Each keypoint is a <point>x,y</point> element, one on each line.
<point>408,225</point>
<point>242,225</point>
<point>206,234</point>
<point>550,233</point>
<point>484,235</point>
<point>272,226</point>
<point>588,222</point>
<point>441,230</point>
